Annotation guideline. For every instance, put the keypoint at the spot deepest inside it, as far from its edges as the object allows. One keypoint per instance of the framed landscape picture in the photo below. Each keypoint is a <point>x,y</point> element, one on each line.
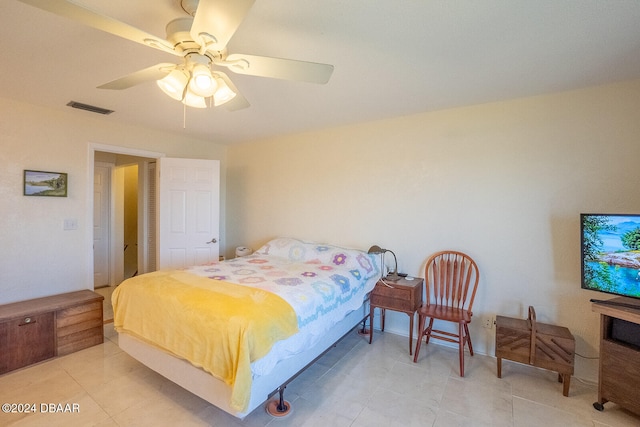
<point>40,183</point>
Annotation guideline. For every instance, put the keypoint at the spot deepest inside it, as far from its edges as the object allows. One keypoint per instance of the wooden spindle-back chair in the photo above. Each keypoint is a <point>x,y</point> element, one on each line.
<point>451,281</point>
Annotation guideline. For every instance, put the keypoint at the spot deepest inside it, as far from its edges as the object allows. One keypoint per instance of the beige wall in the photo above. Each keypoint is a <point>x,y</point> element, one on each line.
<point>504,182</point>
<point>37,257</point>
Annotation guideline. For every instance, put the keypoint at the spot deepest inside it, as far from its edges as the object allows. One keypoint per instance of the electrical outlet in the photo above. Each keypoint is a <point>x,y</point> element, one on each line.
<point>487,322</point>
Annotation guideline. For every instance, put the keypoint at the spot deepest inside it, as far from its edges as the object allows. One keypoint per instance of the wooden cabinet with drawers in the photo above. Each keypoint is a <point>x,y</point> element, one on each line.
<point>397,294</point>
<point>42,328</point>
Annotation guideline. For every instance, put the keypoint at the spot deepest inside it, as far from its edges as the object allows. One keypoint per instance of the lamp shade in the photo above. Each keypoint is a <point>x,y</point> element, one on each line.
<point>193,100</point>
<point>375,249</point>
<point>202,82</point>
<point>173,84</point>
<point>223,94</point>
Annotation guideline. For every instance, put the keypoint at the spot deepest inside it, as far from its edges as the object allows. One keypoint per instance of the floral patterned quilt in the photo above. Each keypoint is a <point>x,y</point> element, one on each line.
<point>323,283</point>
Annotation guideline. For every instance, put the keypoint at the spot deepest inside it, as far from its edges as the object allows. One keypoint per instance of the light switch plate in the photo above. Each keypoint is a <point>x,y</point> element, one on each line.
<point>71,224</point>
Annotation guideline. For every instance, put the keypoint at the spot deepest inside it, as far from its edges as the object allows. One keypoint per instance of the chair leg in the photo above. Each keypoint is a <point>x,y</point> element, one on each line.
<point>421,320</point>
<point>461,340</point>
<point>428,331</point>
<point>468,338</point>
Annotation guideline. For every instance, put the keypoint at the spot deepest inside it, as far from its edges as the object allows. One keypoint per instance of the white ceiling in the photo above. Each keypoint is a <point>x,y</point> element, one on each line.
<point>391,58</point>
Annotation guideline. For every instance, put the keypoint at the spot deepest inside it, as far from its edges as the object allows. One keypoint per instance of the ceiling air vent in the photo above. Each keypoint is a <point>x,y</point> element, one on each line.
<point>88,107</point>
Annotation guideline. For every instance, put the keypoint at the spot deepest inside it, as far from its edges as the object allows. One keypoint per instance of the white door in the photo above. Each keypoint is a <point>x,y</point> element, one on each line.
<point>101,221</point>
<point>189,210</point>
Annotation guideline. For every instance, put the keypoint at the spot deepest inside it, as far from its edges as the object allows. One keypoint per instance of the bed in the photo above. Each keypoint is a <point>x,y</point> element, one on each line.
<point>236,332</point>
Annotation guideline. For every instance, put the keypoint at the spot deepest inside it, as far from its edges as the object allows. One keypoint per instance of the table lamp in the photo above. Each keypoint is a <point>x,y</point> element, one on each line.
<point>375,249</point>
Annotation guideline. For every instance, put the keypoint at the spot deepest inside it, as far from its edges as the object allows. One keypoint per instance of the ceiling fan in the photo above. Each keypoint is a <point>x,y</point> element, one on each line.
<point>201,40</point>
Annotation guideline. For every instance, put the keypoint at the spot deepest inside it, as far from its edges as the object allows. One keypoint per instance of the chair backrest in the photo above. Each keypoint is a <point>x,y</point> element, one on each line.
<point>451,279</point>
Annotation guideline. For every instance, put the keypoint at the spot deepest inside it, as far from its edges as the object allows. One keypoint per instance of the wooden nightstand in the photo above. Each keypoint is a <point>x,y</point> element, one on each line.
<point>402,295</point>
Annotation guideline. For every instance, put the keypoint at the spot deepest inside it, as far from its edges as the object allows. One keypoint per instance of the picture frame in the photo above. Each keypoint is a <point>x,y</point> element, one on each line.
<point>43,183</point>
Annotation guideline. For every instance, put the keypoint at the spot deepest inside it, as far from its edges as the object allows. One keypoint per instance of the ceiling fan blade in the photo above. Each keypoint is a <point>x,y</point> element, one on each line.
<point>238,102</point>
<point>278,68</point>
<point>73,11</point>
<point>216,21</point>
<point>155,72</point>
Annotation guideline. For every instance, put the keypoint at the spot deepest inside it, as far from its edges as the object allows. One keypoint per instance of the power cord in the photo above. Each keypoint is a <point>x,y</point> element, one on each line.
<point>385,283</point>
<point>587,357</point>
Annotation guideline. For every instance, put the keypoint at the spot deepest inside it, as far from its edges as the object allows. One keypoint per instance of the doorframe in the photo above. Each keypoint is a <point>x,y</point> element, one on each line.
<point>92,148</point>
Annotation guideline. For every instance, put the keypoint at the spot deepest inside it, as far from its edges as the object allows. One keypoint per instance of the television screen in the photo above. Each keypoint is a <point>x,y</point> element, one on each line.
<point>611,253</point>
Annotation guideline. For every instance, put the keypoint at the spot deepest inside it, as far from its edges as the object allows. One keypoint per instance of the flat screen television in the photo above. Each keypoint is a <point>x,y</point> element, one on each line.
<point>610,252</point>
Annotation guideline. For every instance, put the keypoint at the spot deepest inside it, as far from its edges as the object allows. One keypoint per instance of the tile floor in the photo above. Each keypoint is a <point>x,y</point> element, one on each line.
<point>354,384</point>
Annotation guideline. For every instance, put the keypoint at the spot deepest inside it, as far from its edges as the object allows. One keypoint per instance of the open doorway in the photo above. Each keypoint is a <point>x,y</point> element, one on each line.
<point>124,226</point>
<point>130,215</point>
<point>124,223</point>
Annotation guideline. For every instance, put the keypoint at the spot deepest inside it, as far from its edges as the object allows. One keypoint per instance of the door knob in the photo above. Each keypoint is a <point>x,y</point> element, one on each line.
<point>213,241</point>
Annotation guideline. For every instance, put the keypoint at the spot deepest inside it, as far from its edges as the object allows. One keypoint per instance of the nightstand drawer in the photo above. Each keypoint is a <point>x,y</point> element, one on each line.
<point>399,300</point>
<point>404,295</point>
<point>395,292</point>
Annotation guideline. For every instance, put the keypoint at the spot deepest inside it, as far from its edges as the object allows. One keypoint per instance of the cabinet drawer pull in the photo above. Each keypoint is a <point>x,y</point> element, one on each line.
<point>28,321</point>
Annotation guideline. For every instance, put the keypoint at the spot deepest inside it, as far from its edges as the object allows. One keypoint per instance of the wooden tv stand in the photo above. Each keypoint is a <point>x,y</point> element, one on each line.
<point>619,370</point>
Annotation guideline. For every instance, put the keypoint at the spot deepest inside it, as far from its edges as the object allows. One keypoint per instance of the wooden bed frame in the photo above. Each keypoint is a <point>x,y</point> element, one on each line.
<point>215,391</point>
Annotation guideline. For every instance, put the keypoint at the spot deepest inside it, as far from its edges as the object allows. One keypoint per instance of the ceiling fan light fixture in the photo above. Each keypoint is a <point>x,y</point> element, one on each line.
<point>173,84</point>
<point>193,100</point>
<point>199,39</point>
<point>224,93</point>
<point>202,82</point>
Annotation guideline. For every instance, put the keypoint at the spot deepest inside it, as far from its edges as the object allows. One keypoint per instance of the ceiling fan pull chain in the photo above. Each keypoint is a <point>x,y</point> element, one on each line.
<point>184,116</point>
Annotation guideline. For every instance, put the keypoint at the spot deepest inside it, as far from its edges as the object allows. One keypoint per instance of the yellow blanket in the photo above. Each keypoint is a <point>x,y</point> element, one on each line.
<point>218,326</point>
